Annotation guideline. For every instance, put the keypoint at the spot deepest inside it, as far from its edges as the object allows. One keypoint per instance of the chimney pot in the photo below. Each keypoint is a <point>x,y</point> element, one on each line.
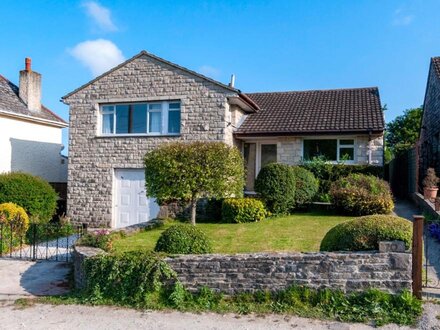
<point>27,63</point>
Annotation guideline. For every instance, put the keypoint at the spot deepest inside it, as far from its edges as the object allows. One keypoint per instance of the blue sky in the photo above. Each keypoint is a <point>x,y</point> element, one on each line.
<point>268,45</point>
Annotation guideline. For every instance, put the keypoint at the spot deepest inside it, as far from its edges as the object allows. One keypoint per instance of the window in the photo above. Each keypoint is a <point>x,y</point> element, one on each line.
<point>155,118</point>
<point>330,149</point>
<point>268,154</point>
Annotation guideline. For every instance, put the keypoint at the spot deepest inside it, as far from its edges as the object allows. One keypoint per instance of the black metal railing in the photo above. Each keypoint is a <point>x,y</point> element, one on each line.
<point>40,241</point>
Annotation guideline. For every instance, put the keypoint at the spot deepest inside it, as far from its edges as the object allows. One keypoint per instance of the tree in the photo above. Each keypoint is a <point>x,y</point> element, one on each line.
<point>190,171</point>
<point>403,132</point>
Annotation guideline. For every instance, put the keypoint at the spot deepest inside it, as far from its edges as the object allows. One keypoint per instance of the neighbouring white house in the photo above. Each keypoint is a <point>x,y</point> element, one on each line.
<point>30,134</point>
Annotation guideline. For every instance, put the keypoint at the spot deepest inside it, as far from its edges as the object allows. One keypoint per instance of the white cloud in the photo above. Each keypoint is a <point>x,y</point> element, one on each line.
<point>100,15</point>
<point>209,71</point>
<point>401,18</point>
<point>98,55</point>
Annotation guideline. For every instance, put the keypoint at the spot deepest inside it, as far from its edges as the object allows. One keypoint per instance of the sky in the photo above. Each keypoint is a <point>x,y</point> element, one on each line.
<point>269,45</point>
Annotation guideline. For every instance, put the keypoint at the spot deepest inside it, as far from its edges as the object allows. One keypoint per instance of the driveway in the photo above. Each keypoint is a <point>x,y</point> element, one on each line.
<point>20,278</point>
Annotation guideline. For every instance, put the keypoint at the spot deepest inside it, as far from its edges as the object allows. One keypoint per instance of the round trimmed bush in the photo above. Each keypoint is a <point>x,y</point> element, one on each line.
<point>240,210</point>
<point>365,233</point>
<point>183,239</point>
<point>306,185</point>
<point>32,193</point>
<point>359,194</point>
<point>276,185</point>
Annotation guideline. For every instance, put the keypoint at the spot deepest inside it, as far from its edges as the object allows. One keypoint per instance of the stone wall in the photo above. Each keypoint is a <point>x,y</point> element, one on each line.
<point>93,158</point>
<point>384,270</point>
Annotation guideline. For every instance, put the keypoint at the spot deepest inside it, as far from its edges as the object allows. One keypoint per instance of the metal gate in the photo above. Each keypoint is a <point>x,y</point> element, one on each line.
<point>40,242</point>
<point>431,265</point>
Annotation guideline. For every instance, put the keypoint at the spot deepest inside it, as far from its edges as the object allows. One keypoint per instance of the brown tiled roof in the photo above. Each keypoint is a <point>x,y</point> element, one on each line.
<point>436,64</point>
<point>11,102</point>
<point>318,111</point>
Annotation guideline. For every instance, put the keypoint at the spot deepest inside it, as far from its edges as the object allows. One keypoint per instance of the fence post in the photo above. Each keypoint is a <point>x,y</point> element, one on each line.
<point>417,255</point>
<point>84,228</point>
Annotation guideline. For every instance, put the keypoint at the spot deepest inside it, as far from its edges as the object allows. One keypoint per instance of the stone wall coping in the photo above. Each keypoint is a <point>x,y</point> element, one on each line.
<point>88,251</point>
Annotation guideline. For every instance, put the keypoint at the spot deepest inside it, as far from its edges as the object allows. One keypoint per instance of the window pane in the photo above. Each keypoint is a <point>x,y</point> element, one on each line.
<point>268,154</point>
<point>155,106</point>
<point>346,142</point>
<point>250,162</point>
<point>139,118</point>
<point>174,106</point>
<point>346,154</point>
<point>320,148</point>
<point>122,119</point>
<point>107,108</point>
<point>107,123</point>
<point>174,122</point>
<point>155,122</point>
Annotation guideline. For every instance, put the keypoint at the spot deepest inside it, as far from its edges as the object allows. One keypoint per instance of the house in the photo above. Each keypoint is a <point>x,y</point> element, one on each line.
<point>429,140</point>
<point>146,101</point>
<point>30,134</point>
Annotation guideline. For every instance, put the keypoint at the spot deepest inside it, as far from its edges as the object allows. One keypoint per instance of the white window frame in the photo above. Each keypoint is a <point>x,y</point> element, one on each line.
<point>258,152</point>
<point>338,146</point>
<point>164,119</point>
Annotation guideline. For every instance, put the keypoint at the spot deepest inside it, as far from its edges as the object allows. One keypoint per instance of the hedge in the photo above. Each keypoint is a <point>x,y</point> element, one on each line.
<point>240,210</point>
<point>183,239</point>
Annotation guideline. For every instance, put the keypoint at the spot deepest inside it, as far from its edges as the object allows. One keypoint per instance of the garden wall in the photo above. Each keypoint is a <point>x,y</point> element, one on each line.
<point>388,271</point>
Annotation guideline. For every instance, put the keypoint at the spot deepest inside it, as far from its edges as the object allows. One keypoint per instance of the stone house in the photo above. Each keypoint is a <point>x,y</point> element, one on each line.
<point>429,140</point>
<point>31,134</point>
<point>146,101</point>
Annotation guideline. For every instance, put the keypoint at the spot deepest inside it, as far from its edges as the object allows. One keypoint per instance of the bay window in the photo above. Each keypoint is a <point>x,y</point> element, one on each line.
<point>152,118</point>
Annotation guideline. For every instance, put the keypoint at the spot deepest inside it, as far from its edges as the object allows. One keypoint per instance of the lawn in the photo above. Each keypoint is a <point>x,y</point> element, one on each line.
<point>300,232</point>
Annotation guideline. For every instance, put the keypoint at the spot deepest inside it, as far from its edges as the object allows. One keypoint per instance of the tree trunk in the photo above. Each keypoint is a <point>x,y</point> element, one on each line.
<point>193,210</point>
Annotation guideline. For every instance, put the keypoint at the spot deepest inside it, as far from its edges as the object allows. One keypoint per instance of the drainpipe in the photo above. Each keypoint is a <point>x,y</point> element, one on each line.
<point>369,148</point>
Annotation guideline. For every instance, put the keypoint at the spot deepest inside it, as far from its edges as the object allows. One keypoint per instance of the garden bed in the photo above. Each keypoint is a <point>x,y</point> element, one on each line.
<point>301,232</point>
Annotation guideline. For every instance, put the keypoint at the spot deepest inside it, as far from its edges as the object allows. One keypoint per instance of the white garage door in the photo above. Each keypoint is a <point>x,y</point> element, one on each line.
<point>131,204</point>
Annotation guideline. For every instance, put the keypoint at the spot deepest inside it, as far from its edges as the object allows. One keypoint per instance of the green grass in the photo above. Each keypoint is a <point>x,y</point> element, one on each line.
<point>300,232</point>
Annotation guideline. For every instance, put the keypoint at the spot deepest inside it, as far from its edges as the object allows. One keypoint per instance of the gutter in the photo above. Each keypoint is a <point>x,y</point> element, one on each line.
<point>34,119</point>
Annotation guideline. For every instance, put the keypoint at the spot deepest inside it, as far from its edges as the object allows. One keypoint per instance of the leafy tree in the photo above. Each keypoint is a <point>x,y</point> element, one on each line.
<point>403,131</point>
<point>190,171</point>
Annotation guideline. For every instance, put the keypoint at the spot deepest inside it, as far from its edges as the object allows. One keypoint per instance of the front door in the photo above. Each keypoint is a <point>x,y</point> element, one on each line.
<point>131,203</point>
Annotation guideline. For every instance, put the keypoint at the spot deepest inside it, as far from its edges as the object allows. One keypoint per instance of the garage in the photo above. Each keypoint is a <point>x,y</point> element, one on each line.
<point>131,206</point>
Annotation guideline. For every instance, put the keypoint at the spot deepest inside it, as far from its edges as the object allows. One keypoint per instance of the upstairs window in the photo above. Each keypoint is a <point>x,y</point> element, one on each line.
<point>330,149</point>
<point>153,118</point>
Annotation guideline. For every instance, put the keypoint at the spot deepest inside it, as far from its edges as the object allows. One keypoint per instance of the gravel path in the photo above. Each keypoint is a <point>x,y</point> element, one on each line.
<point>46,317</point>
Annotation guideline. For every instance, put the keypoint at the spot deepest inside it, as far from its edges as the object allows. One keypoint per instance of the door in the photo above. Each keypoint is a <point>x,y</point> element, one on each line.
<point>131,203</point>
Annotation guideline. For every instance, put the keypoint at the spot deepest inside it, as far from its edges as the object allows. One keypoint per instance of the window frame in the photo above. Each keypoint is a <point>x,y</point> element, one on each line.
<point>338,147</point>
<point>163,125</point>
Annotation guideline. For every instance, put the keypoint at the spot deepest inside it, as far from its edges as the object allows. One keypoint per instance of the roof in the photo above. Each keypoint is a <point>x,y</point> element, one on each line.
<point>316,111</point>
<point>436,64</point>
<point>12,104</point>
<point>157,58</point>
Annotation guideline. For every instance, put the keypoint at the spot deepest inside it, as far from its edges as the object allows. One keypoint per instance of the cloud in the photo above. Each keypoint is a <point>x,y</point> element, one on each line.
<point>209,71</point>
<point>401,18</point>
<point>98,55</point>
<point>100,15</point>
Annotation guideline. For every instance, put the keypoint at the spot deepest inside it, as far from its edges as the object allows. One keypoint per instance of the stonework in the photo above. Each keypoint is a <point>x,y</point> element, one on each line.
<point>93,159</point>
<point>350,271</point>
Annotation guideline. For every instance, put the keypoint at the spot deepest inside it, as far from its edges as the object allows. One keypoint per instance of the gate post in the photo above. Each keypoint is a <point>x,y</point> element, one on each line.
<point>417,255</point>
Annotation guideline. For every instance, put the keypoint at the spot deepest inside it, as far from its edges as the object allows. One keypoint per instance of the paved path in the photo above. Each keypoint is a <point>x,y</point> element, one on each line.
<point>47,317</point>
<point>20,278</point>
<point>406,209</point>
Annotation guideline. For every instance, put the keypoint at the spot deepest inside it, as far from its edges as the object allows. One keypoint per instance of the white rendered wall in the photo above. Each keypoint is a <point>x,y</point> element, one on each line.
<point>32,148</point>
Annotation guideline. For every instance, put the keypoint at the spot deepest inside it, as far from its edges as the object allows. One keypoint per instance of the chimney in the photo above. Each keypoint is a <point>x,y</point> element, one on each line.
<point>30,87</point>
<point>232,83</point>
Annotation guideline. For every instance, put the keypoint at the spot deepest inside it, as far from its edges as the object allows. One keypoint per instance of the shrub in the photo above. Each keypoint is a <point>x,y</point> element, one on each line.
<point>306,186</point>
<point>102,239</point>
<point>276,185</point>
<point>359,194</point>
<point>14,223</point>
<point>183,239</point>
<point>32,193</point>
<point>326,173</point>
<point>366,232</point>
<point>190,171</point>
<point>240,210</point>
